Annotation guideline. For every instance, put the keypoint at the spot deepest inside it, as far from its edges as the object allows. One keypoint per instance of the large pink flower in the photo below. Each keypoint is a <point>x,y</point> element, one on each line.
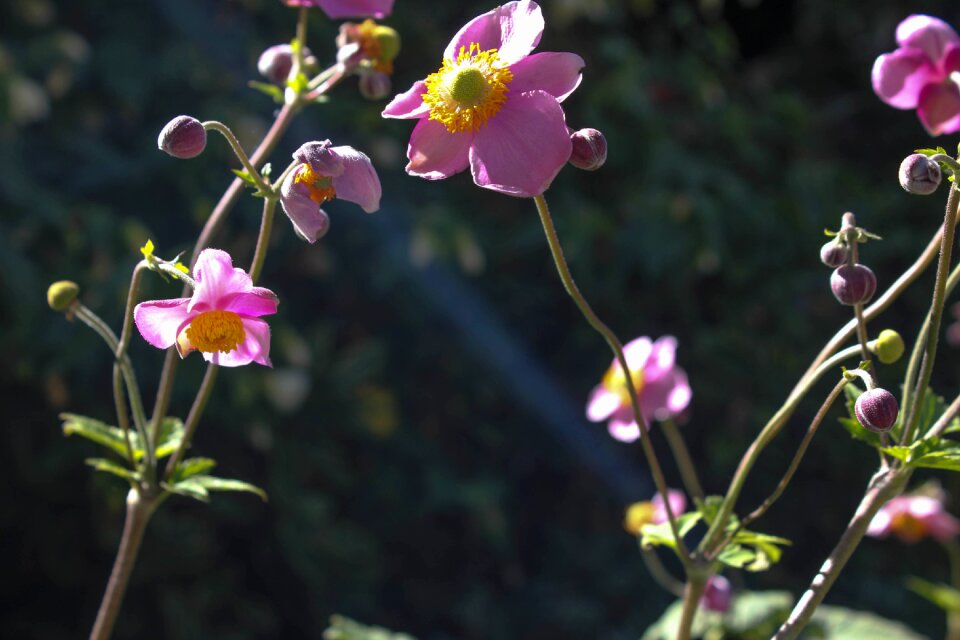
<point>221,319</point>
<point>347,8</point>
<point>923,74</point>
<point>913,517</point>
<point>493,105</point>
<point>661,388</point>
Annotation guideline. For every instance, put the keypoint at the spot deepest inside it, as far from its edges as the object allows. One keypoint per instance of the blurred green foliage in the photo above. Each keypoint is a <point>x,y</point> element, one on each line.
<point>413,484</point>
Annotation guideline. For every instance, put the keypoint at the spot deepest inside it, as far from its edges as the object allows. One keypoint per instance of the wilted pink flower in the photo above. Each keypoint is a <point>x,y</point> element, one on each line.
<point>661,388</point>
<point>653,511</point>
<point>347,8</point>
<point>493,105</point>
<point>913,517</point>
<point>326,173</point>
<point>717,595</point>
<point>923,73</point>
<point>221,319</point>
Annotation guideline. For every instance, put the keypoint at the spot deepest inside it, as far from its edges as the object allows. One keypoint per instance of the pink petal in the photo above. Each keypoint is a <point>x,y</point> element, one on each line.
<point>624,431</point>
<point>556,73</point>
<point>321,156</point>
<point>637,352</point>
<point>680,394</point>
<point>898,77</point>
<point>435,153</point>
<point>408,105</point>
<point>216,278</point>
<point>349,8</point>
<point>880,525</point>
<point>514,29</point>
<point>309,220</point>
<point>939,109</point>
<point>602,404</point>
<point>254,303</point>
<point>662,358</point>
<point>254,348</point>
<point>523,147</point>
<point>928,34</point>
<point>359,182</point>
<point>677,501</point>
<point>158,320</point>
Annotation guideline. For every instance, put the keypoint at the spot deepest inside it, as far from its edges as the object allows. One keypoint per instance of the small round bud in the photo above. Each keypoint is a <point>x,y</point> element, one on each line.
<point>275,63</point>
<point>833,254</point>
<point>877,410</point>
<point>183,137</point>
<point>888,347</point>
<point>389,41</point>
<point>374,85</point>
<point>919,175</point>
<point>60,295</point>
<point>589,149</point>
<point>853,284</point>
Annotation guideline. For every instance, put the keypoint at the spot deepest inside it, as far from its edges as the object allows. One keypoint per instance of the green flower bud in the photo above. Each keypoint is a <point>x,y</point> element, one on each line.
<point>389,41</point>
<point>888,347</point>
<point>60,295</point>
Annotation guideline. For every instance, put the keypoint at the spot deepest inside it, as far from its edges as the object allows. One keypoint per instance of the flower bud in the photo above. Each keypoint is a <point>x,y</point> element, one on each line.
<point>60,295</point>
<point>919,174</point>
<point>833,253</point>
<point>589,149</point>
<point>389,41</point>
<point>275,63</point>
<point>183,137</point>
<point>877,410</point>
<point>717,595</point>
<point>888,347</point>
<point>853,284</point>
<point>374,85</point>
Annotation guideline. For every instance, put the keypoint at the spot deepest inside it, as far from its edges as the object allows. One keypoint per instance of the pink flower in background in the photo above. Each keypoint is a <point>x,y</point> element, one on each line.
<point>717,595</point>
<point>923,74</point>
<point>661,388</point>
<point>913,517</point>
<point>493,106</point>
<point>640,514</point>
<point>221,319</point>
<point>347,8</point>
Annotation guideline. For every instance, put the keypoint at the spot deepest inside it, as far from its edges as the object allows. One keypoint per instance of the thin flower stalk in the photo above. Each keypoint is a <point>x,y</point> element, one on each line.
<point>688,470</point>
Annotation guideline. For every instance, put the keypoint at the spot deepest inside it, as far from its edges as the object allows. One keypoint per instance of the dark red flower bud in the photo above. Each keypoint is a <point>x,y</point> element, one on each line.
<point>183,137</point>
<point>275,63</point>
<point>589,149</point>
<point>919,174</point>
<point>833,254</point>
<point>877,410</point>
<point>853,284</point>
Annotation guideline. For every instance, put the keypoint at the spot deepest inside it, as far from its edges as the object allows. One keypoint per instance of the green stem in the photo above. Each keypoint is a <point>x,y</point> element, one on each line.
<point>571,286</point>
<point>193,418</point>
<point>123,420</point>
<point>263,238</point>
<point>692,593</point>
<point>238,151</point>
<point>952,548</point>
<point>688,471</point>
<point>945,419</point>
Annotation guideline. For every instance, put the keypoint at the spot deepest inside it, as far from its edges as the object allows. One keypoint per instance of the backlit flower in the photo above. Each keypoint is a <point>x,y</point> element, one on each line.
<point>326,173</point>
<point>661,388</point>
<point>653,511</point>
<point>221,319</point>
<point>493,106</point>
<point>914,517</point>
<point>923,73</point>
<point>347,8</point>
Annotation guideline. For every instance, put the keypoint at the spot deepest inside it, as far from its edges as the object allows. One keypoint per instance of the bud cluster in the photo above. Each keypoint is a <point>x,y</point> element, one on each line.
<point>851,282</point>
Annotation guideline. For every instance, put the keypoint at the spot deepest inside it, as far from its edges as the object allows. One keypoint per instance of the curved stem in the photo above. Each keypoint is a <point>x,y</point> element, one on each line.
<point>659,572</point>
<point>238,151</point>
<point>193,418</point>
<point>945,419</point>
<point>571,286</point>
<point>263,238</point>
<point>688,471</point>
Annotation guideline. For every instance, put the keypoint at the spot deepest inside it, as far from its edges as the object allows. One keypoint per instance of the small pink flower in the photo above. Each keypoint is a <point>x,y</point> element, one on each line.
<point>661,388</point>
<point>923,73</point>
<point>718,595</point>
<point>326,173</point>
<point>678,504</point>
<point>221,319</point>
<point>913,517</point>
<point>493,106</point>
<point>347,8</point>
<point>640,514</point>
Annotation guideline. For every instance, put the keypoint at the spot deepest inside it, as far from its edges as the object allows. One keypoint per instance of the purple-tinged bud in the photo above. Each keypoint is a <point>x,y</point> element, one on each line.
<point>183,137</point>
<point>275,63</point>
<point>589,149</point>
<point>853,284</point>
<point>919,174</point>
<point>375,85</point>
<point>877,410</point>
<point>717,595</point>
<point>833,254</point>
<point>61,295</point>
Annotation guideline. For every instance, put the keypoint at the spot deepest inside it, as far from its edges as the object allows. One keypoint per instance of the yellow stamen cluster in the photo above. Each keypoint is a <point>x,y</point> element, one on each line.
<point>465,93</point>
<point>379,44</point>
<point>637,515</point>
<point>214,331</point>
<point>321,187</point>
<point>616,382</point>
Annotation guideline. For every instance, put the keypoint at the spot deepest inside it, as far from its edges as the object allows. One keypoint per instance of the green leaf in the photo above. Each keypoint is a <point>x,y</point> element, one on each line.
<point>189,488</point>
<point>753,551</point>
<point>191,467</point>
<point>168,440</point>
<point>343,628</point>
<point>900,453</point>
<point>109,466</point>
<point>840,623</point>
<point>949,460</point>
<point>211,483</point>
<point>944,596</point>
<point>103,434</point>
<point>654,535</point>
<point>271,90</point>
<point>246,177</point>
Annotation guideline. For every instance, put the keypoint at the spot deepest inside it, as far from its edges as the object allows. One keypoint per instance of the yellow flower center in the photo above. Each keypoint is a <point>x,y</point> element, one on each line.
<point>638,514</point>
<point>616,382</point>
<point>321,187</point>
<point>379,44</point>
<point>465,93</point>
<point>213,331</point>
<point>908,527</point>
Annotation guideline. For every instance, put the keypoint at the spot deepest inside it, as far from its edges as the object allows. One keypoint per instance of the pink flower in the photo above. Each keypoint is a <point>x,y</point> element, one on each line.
<point>923,73</point>
<point>221,319</point>
<point>493,105</point>
<point>718,595</point>
<point>347,8</point>
<point>913,517</point>
<point>661,388</point>
<point>326,173</point>
<point>640,514</point>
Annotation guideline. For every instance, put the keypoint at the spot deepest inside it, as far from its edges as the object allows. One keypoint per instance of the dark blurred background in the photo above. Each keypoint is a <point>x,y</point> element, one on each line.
<point>421,435</point>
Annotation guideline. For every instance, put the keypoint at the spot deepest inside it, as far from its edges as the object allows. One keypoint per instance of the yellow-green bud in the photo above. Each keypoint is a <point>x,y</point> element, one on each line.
<point>60,295</point>
<point>389,41</point>
<point>888,346</point>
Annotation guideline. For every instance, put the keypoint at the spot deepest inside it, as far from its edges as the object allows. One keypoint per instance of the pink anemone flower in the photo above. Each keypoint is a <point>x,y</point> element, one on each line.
<point>221,319</point>
<point>337,9</point>
<point>913,517</point>
<point>923,73</point>
<point>660,386</point>
<point>493,106</point>
<point>325,173</point>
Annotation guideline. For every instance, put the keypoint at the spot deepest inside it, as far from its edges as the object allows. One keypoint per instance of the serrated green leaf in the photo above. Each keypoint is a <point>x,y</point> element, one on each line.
<point>653,535</point>
<point>272,90</point>
<point>191,467</point>
<point>211,483</point>
<point>96,431</point>
<point>109,466</point>
<point>900,453</point>
<point>942,595</point>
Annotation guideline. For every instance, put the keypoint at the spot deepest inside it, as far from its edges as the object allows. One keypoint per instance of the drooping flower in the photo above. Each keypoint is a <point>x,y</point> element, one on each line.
<point>337,9</point>
<point>660,386</point>
<point>717,595</point>
<point>493,106</point>
<point>221,319</point>
<point>367,47</point>
<point>923,73</point>
<point>325,173</point>
<point>914,517</point>
<point>653,511</point>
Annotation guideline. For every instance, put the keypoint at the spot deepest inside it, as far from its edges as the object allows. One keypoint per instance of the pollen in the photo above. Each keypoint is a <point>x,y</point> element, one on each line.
<point>615,382</point>
<point>465,93</point>
<point>320,187</point>
<point>214,331</point>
